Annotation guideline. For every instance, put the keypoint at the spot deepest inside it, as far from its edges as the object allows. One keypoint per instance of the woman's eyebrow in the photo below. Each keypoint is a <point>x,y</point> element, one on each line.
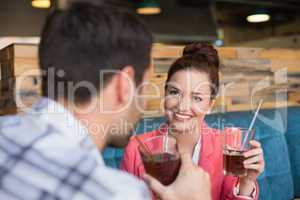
<point>173,87</point>
<point>197,93</point>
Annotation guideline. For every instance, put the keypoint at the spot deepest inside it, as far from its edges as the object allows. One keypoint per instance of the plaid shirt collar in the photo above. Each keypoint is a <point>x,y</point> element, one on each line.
<point>57,115</point>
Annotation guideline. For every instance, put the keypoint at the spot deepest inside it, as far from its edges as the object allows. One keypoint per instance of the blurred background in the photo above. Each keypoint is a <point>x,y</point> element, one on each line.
<point>258,40</point>
<point>249,23</point>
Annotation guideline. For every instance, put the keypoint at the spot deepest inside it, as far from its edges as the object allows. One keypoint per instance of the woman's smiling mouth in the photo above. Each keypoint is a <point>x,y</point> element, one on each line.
<point>182,117</point>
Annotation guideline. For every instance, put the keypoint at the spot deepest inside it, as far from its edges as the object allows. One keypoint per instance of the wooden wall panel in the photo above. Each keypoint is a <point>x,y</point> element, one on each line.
<point>240,72</point>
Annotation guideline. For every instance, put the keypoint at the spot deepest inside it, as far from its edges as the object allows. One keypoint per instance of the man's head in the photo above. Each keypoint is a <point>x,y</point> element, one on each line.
<point>94,57</point>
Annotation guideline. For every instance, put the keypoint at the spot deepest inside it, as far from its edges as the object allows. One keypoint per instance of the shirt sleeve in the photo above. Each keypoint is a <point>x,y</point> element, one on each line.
<point>230,190</point>
<point>236,191</point>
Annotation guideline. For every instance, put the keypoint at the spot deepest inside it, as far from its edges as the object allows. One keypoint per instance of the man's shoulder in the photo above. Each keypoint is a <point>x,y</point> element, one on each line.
<point>20,121</point>
<point>24,130</point>
<point>66,173</point>
<point>21,128</point>
<point>48,164</point>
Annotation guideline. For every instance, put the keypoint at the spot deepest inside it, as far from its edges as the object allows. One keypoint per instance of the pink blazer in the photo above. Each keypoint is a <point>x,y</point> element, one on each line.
<point>211,160</point>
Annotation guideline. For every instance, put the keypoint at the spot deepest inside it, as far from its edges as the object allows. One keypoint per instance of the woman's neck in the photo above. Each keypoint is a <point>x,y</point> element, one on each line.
<point>187,140</point>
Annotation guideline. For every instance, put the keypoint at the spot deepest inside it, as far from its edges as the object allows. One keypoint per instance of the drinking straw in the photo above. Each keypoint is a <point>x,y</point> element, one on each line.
<point>166,142</point>
<point>143,146</point>
<point>252,123</point>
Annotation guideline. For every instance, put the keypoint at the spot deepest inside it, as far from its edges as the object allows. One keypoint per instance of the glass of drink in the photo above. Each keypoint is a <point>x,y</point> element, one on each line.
<point>235,144</point>
<point>161,158</point>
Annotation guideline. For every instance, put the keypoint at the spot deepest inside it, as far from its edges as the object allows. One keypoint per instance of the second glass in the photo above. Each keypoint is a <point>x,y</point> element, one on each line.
<point>235,144</point>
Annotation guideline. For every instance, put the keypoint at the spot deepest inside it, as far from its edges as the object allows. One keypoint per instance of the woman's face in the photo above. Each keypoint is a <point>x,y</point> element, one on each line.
<point>187,99</point>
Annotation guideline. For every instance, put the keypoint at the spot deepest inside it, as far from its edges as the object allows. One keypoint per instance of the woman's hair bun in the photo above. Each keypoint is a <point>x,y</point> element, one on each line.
<point>203,50</point>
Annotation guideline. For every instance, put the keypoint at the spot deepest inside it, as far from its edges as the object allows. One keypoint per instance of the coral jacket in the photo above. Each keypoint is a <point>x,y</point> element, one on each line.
<point>211,160</point>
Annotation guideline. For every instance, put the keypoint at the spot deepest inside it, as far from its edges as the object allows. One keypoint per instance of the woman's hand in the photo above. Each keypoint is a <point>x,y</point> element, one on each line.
<point>255,165</point>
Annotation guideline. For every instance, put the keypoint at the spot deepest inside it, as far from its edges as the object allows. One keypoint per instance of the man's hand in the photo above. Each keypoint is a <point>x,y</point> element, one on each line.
<point>192,183</point>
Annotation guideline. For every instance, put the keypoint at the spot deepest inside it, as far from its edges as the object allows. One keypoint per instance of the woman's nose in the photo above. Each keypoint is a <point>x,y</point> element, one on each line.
<point>184,103</point>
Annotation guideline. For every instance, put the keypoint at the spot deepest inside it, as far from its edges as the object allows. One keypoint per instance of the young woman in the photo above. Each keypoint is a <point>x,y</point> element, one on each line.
<point>191,87</point>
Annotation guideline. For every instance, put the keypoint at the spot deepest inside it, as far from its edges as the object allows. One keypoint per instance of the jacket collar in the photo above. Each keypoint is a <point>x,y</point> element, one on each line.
<point>207,146</point>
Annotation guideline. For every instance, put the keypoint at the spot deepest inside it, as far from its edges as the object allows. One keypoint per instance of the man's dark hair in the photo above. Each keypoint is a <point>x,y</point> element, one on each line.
<point>84,39</point>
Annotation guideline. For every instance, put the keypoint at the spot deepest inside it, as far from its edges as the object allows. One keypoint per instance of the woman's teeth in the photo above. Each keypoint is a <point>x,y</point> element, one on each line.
<point>182,116</point>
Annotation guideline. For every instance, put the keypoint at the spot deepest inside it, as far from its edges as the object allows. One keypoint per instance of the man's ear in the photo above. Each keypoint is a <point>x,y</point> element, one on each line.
<point>125,85</point>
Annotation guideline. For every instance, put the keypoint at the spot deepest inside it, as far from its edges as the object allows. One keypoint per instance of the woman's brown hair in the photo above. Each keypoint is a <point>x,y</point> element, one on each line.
<point>201,57</point>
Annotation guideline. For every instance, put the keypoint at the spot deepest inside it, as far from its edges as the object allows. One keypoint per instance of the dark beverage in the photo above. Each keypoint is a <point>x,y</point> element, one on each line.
<point>164,167</point>
<point>233,163</point>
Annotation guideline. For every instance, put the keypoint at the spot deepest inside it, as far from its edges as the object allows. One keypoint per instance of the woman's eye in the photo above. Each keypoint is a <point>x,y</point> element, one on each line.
<point>197,99</point>
<point>173,92</point>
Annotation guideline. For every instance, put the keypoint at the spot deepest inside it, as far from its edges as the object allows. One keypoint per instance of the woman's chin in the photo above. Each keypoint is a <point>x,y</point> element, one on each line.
<point>180,128</point>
